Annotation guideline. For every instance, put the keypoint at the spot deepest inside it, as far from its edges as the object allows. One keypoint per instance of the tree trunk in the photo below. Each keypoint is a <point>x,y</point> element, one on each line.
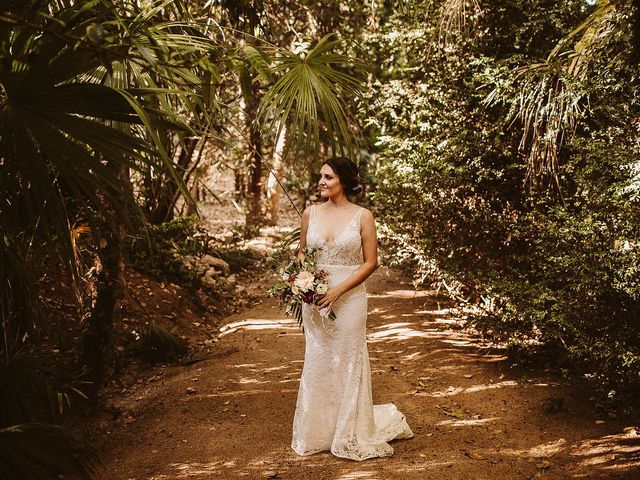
<point>239,193</point>
<point>274,191</point>
<point>97,341</point>
<point>192,176</point>
<point>254,215</point>
<point>166,194</point>
<point>97,344</point>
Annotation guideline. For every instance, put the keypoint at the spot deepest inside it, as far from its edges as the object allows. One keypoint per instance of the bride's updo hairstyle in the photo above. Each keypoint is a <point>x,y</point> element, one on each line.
<point>347,172</point>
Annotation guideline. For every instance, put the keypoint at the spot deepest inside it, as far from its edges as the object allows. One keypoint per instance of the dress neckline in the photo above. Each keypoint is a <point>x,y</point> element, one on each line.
<point>324,239</point>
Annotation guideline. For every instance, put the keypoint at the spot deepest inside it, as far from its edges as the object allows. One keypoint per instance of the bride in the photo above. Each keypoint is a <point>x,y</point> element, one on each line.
<point>334,409</point>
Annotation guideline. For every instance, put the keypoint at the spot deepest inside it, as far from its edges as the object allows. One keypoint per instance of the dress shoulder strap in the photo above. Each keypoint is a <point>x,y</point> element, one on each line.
<point>313,212</point>
<point>359,216</point>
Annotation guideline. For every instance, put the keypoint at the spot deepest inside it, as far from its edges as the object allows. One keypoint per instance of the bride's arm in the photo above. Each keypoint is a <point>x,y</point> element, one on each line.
<point>370,257</point>
<point>304,224</point>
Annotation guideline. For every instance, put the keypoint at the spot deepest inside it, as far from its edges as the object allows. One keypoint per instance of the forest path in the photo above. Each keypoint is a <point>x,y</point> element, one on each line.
<point>474,415</point>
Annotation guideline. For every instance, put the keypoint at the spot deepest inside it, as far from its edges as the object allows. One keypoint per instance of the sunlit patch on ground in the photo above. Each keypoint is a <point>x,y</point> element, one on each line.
<point>459,343</point>
<point>187,470</point>
<point>538,451</point>
<point>245,365</point>
<point>439,311</point>
<point>366,475</point>
<point>405,331</point>
<point>387,326</point>
<point>273,369</point>
<point>402,294</point>
<point>258,324</point>
<point>619,452</point>
<point>396,334</point>
<point>447,321</point>
<point>235,393</point>
<point>494,358</point>
<point>475,388</point>
<point>412,356</point>
<point>250,380</point>
<point>467,422</point>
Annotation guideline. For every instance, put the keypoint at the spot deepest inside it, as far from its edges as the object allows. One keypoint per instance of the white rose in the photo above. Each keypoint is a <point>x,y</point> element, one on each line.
<point>304,280</point>
<point>322,288</point>
<point>295,289</point>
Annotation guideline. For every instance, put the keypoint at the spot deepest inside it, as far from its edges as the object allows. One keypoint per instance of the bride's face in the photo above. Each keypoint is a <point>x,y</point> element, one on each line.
<point>329,183</point>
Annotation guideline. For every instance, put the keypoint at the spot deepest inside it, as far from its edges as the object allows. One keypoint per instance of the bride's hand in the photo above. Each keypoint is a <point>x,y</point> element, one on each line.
<point>329,298</point>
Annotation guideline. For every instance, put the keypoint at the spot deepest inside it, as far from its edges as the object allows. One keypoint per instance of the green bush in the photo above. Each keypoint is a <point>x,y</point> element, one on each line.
<point>559,257</point>
<point>156,251</point>
<point>158,344</point>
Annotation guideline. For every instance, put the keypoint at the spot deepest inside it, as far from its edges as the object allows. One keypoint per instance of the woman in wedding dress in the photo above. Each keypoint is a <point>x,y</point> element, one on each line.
<point>334,408</point>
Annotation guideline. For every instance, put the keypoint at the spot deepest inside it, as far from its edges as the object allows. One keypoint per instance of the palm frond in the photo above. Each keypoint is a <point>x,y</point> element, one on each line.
<point>455,16</point>
<point>595,30</point>
<point>312,92</point>
<point>17,309</point>
<point>550,100</point>
<point>258,61</point>
<point>282,251</point>
<point>548,108</point>
<point>32,389</point>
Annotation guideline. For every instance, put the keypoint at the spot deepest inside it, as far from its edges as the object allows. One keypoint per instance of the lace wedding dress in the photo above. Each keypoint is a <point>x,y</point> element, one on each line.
<point>334,409</point>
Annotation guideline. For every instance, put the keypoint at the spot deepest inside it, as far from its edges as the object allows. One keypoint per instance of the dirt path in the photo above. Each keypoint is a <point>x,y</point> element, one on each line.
<point>473,414</point>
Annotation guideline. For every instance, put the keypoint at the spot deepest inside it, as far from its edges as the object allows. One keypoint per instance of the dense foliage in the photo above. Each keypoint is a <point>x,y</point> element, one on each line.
<point>510,165</point>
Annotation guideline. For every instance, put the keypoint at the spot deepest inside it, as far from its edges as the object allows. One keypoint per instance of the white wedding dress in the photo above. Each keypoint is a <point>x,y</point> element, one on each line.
<point>334,409</point>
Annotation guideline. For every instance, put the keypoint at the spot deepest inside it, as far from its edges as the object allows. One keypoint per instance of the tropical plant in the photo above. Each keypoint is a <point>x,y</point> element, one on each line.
<point>34,396</point>
<point>98,100</point>
<point>157,344</point>
<point>117,80</point>
<point>551,96</point>
<point>309,92</point>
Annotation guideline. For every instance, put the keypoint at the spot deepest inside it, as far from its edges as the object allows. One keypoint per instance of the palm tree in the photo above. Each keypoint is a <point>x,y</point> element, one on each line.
<point>66,136</point>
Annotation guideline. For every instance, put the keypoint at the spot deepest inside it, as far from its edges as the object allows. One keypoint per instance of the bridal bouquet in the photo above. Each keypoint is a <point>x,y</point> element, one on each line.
<point>301,282</point>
